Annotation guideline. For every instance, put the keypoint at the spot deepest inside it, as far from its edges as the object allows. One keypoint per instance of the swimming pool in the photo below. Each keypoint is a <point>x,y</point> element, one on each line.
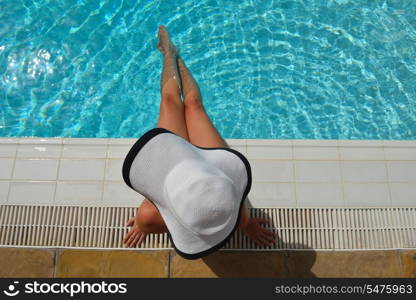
<point>299,69</point>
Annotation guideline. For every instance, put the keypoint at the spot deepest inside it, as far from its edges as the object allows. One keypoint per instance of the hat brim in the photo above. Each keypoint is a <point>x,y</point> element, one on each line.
<point>178,234</point>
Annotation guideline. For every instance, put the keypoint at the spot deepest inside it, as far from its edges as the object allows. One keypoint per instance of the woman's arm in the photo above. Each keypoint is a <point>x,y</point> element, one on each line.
<point>252,227</point>
<point>244,218</point>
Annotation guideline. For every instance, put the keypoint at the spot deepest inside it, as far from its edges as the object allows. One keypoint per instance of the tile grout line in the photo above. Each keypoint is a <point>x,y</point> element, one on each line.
<point>286,257</point>
<point>295,193</point>
<point>10,182</point>
<point>105,170</point>
<point>169,262</point>
<point>387,175</point>
<point>400,257</point>
<point>55,260</point>
<point>57,172</point>
<point>341,174</point>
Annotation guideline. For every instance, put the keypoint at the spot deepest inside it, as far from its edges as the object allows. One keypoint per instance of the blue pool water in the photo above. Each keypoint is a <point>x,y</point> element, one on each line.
<point>316,69</point>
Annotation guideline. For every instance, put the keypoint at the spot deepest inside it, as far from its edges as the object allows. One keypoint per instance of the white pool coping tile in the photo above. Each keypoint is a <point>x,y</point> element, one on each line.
<point>118,150</point>
<point>269,152</point>
<point>81,169</point>
<point>32,192</point>
<point>6,140</point>
<point>122,141</point>
<point>273,194</point>
<point>286,173</point>
<point>35,169</point>
<point>364,171</point>
<point>113,169</point>
<point>40,141</point>
<point>82,193</point>
<point>367,194</point>
<point>315,152</point>
<point>39,150</point>
<point>4,191</point>
<point>8,150</point>
<point>85,141</point>
<point>361,153</point>
<point>319,195</point>
<point>317,171</point>
<point>119,194</point>
<point>402,171</point>
<point>84,150</point>
<point>266,142</point>
<point>400,143</point>
<point>400,153</point>
<point>6,168</point>
<point>236,142</point>
<point>403,194</point>
<point>360,143</point>
<point>272,170</point>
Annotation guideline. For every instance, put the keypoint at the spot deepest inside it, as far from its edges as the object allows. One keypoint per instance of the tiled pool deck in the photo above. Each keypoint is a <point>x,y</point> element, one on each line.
<point>286,173</point>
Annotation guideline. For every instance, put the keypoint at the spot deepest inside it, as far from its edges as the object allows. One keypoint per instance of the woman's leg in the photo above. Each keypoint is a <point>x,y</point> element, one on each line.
<point>203,133</point>
<point>172,112</point>
<point>171,117</point>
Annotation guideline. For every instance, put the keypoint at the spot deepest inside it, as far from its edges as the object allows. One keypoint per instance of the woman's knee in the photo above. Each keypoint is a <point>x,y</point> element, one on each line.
<point>193,101</point>
<point>170,97</point>
<point>169,106</point>
<point>147,216</point>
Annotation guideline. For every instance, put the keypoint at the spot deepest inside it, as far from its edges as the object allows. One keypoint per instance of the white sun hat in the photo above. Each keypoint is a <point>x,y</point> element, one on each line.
<point>198,191</point>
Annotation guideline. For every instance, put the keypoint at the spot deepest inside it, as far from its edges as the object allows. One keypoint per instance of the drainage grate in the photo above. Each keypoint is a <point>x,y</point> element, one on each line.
<point>296,228</point>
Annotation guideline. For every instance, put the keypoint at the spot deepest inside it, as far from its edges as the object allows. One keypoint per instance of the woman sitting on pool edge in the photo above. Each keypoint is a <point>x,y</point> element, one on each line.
<point>200,227</point>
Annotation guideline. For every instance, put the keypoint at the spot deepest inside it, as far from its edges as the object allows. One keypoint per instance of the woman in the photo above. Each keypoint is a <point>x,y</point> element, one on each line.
<point>188,120</point>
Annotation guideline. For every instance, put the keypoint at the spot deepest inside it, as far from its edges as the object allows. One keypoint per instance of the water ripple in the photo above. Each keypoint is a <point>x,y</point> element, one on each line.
<point>337,69</point>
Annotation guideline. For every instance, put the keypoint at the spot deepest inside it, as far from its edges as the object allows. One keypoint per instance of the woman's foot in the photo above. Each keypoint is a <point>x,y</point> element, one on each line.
<point>165,46</point>
<point>134,236</point>
<point>259,234</point>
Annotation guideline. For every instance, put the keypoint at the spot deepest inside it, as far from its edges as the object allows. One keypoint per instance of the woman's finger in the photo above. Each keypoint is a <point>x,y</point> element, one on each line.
<point>264,241</point>
<point>127,236</point>
<point>259,241</point>
<point>130,222</point>
<point>269,238</point>
<point>267,241</point>
<point>141,239</point>
<point>131,238</point>
<point>134,242</point>
<point>263,221</point>
<point>268,232</point>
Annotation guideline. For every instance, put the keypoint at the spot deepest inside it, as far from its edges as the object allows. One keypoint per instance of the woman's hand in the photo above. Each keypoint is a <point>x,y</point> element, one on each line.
<point>135,236</point>
<point>257,233</point>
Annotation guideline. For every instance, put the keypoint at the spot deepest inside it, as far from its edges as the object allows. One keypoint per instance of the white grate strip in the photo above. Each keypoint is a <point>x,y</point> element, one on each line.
<point>296,228</point>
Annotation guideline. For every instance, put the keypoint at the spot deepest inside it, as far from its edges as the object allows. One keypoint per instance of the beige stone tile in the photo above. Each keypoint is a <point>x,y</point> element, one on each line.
<point>26,262</point>
<point>230,264</point>
<point>408,259</point>
<point>344,264</point>
<point>112,263</point>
